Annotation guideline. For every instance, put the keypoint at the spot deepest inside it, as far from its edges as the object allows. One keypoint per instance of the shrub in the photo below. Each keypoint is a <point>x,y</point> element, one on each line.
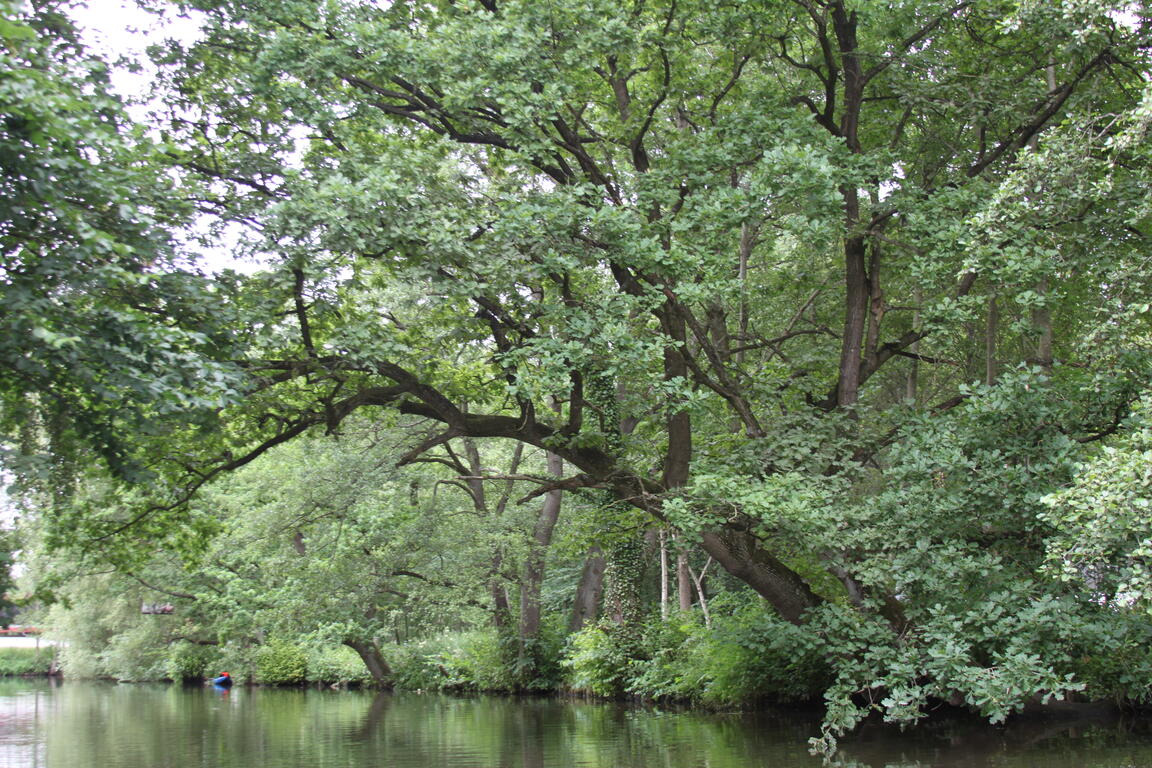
<point>597,662</point>
<point>539,667</point>
<point>666,669</point>
<point>1110,652</point>
<point>468,661</point>
<point>476,661</point>
<point>336,665</point>
<point>238,659</point>
<point>191,661</point>
<point>747,655</point>
<point>416,666</point>
<point>135,655</point>
<point>281,663</point>
<point>752,655</point>
<point>18,662</point>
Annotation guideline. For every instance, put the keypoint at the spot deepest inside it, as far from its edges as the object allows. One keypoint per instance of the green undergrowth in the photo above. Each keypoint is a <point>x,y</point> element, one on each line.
<point>277,662</point>
<point>480,660</point>
<point>23,662</point>
<point>747,656</point>
<point>283,663</point>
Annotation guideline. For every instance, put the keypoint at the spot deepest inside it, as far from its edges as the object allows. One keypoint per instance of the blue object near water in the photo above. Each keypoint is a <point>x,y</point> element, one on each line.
<point>224,681</point>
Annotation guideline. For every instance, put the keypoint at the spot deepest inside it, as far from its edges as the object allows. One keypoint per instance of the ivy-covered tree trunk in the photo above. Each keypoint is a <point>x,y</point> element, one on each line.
<point>623,598</point>
<point>589,590</point>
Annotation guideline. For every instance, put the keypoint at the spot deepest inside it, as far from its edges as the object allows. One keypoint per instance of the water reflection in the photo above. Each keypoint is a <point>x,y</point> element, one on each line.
<point>1093,737</point>
<point>75,724</point>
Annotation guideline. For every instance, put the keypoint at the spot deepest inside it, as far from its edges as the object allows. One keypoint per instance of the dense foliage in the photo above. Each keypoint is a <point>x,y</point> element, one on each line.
<point>848,298</point>
<point>102,335</point>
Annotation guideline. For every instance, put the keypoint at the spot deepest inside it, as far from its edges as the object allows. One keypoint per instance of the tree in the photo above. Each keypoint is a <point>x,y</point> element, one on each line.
<point>692,249</point>
<point>101,332</point>
<point>1102,529</point>
<point>326,541</point>
<point>8,606</point>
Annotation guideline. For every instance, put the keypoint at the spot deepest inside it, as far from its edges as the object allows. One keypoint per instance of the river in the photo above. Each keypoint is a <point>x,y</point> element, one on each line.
<point>74,724</point>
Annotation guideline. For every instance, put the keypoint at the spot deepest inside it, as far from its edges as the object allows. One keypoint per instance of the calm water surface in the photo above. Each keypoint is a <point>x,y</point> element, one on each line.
<point>75,725</point>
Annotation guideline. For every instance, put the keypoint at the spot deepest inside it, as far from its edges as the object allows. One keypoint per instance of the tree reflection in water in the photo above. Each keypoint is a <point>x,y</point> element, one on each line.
<point>77,724</point>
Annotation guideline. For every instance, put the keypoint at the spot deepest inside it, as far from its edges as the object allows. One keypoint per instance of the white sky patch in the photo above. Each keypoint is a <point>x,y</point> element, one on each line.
<point>120,32</point>
<point>8,512</point>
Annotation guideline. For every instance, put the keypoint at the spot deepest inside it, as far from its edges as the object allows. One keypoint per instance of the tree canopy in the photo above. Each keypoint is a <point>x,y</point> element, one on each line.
<point>103,334</point>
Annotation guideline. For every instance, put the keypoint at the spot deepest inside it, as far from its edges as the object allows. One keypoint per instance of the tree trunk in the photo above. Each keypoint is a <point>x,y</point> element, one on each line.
<point>700,594</point>
<point>1042,319</point>
<point>623,579</point>
<point>855,316</point>
<point>739,553</point>
<point>664,574</point>
<point>856,286</point>
<point>747,243</point>
<point>373,660</point>
<point>678,459</point>
<point>534,566</point>
<point>588,591</point>
<point>990,332</point>
<point>683,582</point>
<point>914,371</point>
<point>501,607</point>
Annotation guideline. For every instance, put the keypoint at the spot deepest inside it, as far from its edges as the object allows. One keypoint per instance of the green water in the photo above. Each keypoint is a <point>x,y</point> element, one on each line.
<point>75,724</point>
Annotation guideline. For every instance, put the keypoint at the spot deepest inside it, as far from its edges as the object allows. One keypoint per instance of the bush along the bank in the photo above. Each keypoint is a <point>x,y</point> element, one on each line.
<point>188,662</point>
<point>278,662</point>
<point>281,663</point>
<point>336,666</point>
<point>747,656</point>
<point>460,661</point>
<point>538,664</point>
<point>25,662</point>
<point>598,662</point>
<point>486,659</point>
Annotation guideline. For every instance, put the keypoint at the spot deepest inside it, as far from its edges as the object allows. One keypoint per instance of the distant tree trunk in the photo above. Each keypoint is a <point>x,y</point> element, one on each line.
<point>678,457</point>
<point>683,581</point>
<point>501,607</point>
<point>373,660</point>
<point>1042,316</point>
<point>589,590</point>
<point>664,573</point>
<point>699,581</point>
<point>747,243</point>
<point>913,382</point>
<point>857,286</point>
<point>993,328</point>
<point>474,472</point>
<point>1042,319</point>
<point>534,565</point>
